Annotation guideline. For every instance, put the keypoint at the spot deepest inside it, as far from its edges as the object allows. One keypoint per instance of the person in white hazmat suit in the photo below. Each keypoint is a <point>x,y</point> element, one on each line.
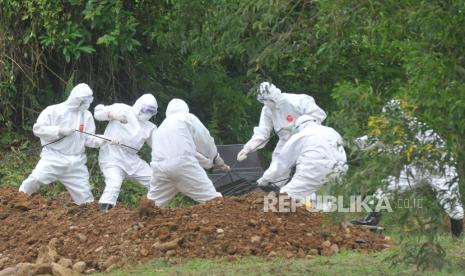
<point>317,152</point>
<point>279,112</point>
<point>63,155</point>
<point>183,146</point>
<point>442,178</point>
<point>130,126</point>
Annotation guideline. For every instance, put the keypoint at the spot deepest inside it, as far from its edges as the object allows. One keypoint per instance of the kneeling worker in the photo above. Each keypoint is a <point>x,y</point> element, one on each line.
<point>319,157</point>
<point>179,140</point>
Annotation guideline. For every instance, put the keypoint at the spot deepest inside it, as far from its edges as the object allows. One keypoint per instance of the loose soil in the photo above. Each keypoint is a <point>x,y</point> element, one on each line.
<point>231,227</point>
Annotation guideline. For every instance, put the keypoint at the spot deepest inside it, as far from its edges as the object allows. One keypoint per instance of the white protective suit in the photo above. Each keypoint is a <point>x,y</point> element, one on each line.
<point>443,179</point>
<point>279,112</point>
<point>117,161</point>
<point>65,160</point>
<point>319,156</point>
<point>179,141</point>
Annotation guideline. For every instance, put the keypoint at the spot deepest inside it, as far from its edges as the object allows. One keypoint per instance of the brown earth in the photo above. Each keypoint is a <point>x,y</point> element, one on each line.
<point>233,226</point>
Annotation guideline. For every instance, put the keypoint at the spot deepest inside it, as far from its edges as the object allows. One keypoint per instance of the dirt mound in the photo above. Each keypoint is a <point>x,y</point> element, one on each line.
<point>234,226</point>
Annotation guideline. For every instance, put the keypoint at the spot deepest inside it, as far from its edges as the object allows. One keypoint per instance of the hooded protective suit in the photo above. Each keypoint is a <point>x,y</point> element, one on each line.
<point>180,140</point>
<point>442,178</point>
<point>279,112</point>
<point>129,126</point>
<point>65,159</point>
<point>318,154</point>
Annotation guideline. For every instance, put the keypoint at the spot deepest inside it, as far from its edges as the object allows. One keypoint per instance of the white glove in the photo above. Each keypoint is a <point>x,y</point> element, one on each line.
<point>289,126</point>
<point>242,155</point>
<point>224,168</point>
<point>108,140</point>
<point>118,117</point>
<point>262,182</point>
<point>220,165</point>
<point>65,131</point>
<point>114,141</point>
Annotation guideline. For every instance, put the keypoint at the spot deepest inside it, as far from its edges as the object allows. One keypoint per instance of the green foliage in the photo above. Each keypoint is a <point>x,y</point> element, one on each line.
<point>423,253</point>
<point>417,229</point>
<point>395,131</point>
<point>131,193</point>
<point>18,161</point>
<point>181,201</point>
<point>355,102</point>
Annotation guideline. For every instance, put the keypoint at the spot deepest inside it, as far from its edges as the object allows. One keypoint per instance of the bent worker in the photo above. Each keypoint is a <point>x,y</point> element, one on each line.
<point>279,113</point>
<point>130,126</point>
<point>317,152</point>
<point>439,173</point>
<point>60,128</point>
<point>181,142</point>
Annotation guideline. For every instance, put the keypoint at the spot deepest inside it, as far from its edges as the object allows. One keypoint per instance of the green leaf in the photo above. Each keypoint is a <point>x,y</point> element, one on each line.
<point>69,85</point>
<point>87,49</point>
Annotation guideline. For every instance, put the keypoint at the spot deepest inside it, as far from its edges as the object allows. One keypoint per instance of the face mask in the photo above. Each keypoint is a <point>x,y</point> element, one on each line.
<point>85,103</point>
<point>144,116</point>
<point>269,104</point>
<point>261,98</point>
<point>84,106</point>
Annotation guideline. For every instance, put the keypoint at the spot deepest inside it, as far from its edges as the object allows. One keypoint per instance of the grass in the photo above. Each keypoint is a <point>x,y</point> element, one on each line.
<point>344,263</point>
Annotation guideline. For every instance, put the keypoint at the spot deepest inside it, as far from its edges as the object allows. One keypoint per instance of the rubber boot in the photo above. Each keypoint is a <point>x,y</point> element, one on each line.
<point>456,227</point>
<point>372,219</point>
<point>105,207</point>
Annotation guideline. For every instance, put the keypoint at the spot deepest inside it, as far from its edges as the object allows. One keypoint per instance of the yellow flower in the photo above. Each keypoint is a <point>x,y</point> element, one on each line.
<point>407,229</point>
<point>375,132</point>
<point>371,121</point>
<point>407,107</point>
<point>428,147</point>
<point>376,125</point>
<point>398,142</point>
<point>410,151</point>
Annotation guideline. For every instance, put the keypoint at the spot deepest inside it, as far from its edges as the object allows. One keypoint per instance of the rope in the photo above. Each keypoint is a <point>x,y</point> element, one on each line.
<point>106,139</point>
<point>13,154</point>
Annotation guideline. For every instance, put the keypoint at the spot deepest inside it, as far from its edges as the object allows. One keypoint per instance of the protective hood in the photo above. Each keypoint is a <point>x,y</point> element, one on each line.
<point>176,106</point>
<point>77,95</point>
<point>268,91</point>
<point>146,100</point>
<point>302,122</point>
